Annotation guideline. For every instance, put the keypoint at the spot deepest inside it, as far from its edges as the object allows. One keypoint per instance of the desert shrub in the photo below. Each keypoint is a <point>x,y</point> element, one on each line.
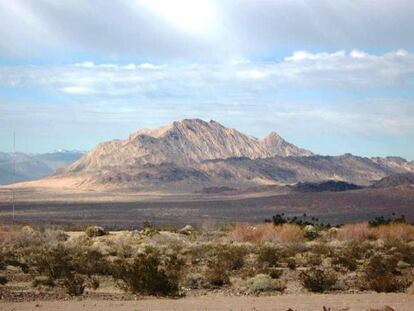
<point>317,280</point>
<point>264,283</point>
<point>381,275</point>
<point>52,262</point>
<point>148,229</point>
<point>275,273</point>
<point>291,263</point>
<point>313,260</point>
<point>3,280</point>
<point>196,281</point>
<point>268,256</point>
<point>74,284</point>
<point>149,273</point>
<point>228,256</point>
<point>42,281</point>
<point>89,261</point>
<point>403,249</point>
<point>95,231</point>
<point>345,260</point>
<point>310,232</point>
<point>321,249</point>
<point>54,235</point>
<point>92,283</point>
<point>217,275</point>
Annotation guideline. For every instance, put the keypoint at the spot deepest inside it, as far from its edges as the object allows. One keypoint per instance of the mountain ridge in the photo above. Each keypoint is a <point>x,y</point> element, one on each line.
<point>184,142</point>
<point>192,154</point>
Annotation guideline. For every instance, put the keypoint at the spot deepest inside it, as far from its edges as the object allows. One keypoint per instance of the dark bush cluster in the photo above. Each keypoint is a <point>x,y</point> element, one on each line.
<point>304,220</point>
<point>318,280</point>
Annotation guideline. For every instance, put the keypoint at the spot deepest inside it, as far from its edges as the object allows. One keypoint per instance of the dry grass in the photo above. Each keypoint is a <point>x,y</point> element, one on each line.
<point>395,231</point>
<point>360,232</point>
<point>266,233</point>
<point>363,232</point>
<point>8,234</point>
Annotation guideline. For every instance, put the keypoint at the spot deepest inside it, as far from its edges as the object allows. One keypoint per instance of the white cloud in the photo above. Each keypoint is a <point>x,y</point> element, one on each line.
<point>85,65</point>
<point>303,70</point>
<point>358,54</point>
<point>77,90</point>
<point>304,55</point>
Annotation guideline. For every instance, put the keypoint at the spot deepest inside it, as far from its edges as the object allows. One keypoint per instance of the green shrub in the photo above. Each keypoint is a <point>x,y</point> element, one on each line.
<point>149,274</point>
<point>53,262</point>
<point>316,280</point>
<point>268,256</point>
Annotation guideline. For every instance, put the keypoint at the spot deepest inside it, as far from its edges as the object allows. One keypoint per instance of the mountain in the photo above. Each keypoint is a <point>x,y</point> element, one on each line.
<point>185,142</point>
<point>192,155</point>
<point>395,180</point>
<point>34,166</point>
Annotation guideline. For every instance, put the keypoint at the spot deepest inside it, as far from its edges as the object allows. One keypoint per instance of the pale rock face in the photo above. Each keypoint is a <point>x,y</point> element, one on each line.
<point>184,142</point>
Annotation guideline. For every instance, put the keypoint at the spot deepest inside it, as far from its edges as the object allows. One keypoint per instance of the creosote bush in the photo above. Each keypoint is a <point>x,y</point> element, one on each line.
<point>149,273</point>
<point>74,284</point>
<point>381,275</point>
<point>318,280</point>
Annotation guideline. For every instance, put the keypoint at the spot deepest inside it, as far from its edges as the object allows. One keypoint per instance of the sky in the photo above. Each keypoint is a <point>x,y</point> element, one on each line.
<point>331,76</point>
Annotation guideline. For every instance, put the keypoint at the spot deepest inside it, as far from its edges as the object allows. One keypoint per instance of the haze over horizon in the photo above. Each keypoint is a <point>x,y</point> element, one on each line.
<point>331,77</point>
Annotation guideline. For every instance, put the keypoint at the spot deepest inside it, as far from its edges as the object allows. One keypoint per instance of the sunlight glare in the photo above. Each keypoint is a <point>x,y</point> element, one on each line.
<point>189,15</point>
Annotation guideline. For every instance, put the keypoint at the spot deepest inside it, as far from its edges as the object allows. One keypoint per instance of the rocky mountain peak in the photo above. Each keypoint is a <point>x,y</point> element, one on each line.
<point>186,141</point>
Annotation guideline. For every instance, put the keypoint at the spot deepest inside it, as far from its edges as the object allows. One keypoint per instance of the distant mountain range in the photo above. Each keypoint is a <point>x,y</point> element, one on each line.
<point>192,155</point>
<point>34,166</point>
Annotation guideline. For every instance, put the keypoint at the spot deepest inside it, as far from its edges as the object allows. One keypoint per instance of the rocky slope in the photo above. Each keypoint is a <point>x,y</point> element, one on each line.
<point>184,143</point>
<point>395,181</point>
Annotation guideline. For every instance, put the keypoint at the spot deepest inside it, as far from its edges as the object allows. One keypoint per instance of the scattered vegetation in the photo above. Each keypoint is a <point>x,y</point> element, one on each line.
<point>240,258</point>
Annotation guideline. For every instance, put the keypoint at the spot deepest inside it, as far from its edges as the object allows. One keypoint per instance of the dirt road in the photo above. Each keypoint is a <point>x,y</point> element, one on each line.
<point>311,302</point>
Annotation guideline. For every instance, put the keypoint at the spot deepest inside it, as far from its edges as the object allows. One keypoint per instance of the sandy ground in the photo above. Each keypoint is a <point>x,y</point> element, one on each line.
<point>311,302</point>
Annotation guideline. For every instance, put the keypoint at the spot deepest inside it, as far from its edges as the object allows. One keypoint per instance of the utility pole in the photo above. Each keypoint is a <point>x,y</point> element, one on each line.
<point>14,170</point>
